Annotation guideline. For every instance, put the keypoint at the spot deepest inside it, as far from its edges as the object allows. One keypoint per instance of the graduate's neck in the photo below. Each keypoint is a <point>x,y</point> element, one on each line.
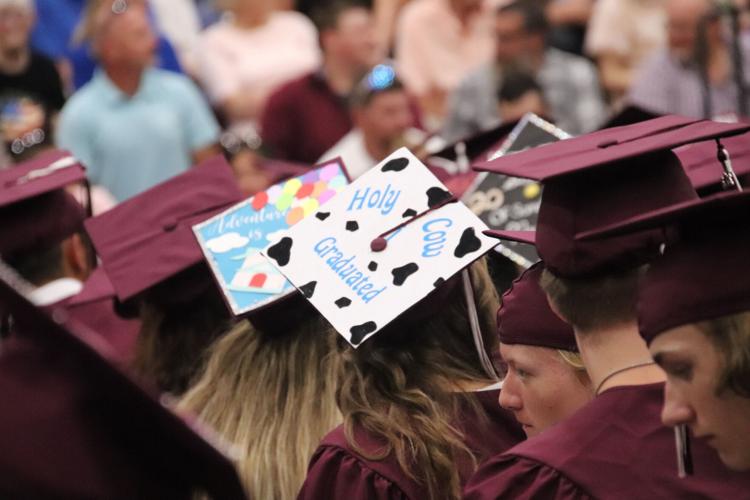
<point>605,351</point>
<point>340,76</point>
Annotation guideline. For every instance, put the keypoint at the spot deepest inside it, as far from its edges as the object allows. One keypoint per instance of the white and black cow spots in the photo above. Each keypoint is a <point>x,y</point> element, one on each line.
<point>469,243</point>
<point>401,273</point>
<point>372,266</point>
<point>438,282</point>
<point>280,251</point>
<point>343,302</point>
<point>409,212</point>
<point>322,215</point>
<point>436,196</point>
<point>395,165</point>
<point>352,225</point>
<point>308,290</point>
<point>359,332</point>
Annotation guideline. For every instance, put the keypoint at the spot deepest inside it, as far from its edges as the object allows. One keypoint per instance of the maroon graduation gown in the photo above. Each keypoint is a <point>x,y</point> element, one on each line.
<point>614,448</point>
<point>93,307</point>
<point>337,472</point>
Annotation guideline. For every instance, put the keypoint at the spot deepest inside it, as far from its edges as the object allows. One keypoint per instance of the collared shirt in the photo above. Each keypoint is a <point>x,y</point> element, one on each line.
<point>665,85</point>
<point>55,291</point>
<point>129,144</point>
<point>570,85</point>
<point>433,49</point>
<point>303,119</point>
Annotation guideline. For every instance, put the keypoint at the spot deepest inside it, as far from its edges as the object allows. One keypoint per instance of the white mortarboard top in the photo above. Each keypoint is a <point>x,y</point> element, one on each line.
<point>231,241</point>
<point>380,246</point>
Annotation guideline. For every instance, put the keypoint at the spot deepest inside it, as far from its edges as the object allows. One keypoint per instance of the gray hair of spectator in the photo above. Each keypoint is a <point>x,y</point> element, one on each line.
<point>27,5</point>
<point>534,18</point>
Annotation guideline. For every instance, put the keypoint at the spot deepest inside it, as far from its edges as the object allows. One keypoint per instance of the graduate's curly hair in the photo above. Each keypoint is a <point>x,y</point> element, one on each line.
<point>271,395</point>
<point>400,386</point>
<point>731,336</point>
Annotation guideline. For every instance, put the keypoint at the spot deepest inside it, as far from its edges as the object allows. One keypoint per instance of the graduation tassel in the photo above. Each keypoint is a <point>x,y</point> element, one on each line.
<point>476,331</point>
<point>729,179</point>
<point>684,457</point>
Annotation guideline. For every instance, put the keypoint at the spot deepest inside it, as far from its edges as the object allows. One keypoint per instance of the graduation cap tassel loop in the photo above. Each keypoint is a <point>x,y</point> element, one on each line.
<point>476,331</point>
<point>729,179</point>
<point>380,243</point>
<point>684,456</point>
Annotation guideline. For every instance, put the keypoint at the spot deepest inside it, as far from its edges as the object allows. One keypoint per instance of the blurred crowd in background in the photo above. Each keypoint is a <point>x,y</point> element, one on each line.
<point>139,90</point>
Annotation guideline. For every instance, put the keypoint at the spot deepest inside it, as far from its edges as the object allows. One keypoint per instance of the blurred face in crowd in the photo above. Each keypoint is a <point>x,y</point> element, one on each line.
<point>530,102</point>
<point>512,39</point>
<point>353,41</point>
<point>250,176</point>
<point>127,39</point>
<point>683,17</point>
<point>385,118</point>
<point>16,21</point>
<point>249,9</point>
<point>692,395</point>
<point>540,387</point>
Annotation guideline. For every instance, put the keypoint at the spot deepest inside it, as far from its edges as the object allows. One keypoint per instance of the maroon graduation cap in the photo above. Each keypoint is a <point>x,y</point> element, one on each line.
<point>35,210</point>
<point>702,274</point>
<point>73,425</point>
<point>603,177</point>
<point>704,167</point>
<point>525,316</point>
<point>149,238</point>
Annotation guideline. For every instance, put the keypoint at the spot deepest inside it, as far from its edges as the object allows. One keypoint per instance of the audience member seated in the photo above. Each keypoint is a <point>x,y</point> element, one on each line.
<point>249,53</point>
<point>672,80</point>
<point>569,20</point>
<point>519,94</point>
<point>439,43</point>
<point>307,116</point>
<point>621,34</point>
<point>22,69</point>
<point>133,125</point>
<point>383,120</point>
<point>569,82</point>
<point>81,55</point>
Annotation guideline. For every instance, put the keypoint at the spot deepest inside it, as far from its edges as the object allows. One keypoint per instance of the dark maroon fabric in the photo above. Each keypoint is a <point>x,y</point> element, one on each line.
<point>23,181</point>
<point>702,274</point>
<point>609,145</point>
<point>526,318</point>
<point>614,448</point>
<point>703,167</point>
<point>73,425</point>
<point>603,177</point>
<point>35,210</point>
<point>38,223</point>
<point>337,472</point>
<point>149,238</point>
<point>303,119</point>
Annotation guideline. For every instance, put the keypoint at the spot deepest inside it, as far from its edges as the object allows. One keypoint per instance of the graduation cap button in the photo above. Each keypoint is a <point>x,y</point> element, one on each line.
<point>378,244</point>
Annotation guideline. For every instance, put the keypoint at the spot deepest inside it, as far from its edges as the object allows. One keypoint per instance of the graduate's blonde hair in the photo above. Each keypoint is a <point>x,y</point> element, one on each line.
<point>271,396</point>
<point>400,386</point>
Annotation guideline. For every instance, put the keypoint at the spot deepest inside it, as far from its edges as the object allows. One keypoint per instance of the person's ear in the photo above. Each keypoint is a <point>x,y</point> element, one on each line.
<point>76,258</point>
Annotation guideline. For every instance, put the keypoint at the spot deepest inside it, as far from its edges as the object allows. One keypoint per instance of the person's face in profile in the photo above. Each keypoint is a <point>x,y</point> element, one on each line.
<point>15,26</point>
<point>693,397</point>
<point>540,387</point>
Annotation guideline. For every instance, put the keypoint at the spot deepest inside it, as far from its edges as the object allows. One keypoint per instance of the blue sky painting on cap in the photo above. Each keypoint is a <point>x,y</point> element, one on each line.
<point>384,243</point>
<point>231,241</point>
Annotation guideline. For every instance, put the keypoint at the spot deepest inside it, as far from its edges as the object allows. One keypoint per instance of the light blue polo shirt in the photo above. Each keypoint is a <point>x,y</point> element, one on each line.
<point>129,144</point>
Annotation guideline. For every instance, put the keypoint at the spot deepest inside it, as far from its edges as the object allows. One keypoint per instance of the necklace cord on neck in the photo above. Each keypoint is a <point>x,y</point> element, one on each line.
<point>618,371</point>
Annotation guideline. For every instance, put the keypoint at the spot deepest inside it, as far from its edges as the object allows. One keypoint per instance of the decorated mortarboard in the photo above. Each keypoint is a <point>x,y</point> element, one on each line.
<point>706,167</point>
<point>511,203</point>
<point>702,273</point>
<point>35,209</point>
<point>231,241</point>
<point>148,238</point>
<point>380,246</point>
<point>526,318</point>
<point>74,425</point>
<point>603,177</point>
